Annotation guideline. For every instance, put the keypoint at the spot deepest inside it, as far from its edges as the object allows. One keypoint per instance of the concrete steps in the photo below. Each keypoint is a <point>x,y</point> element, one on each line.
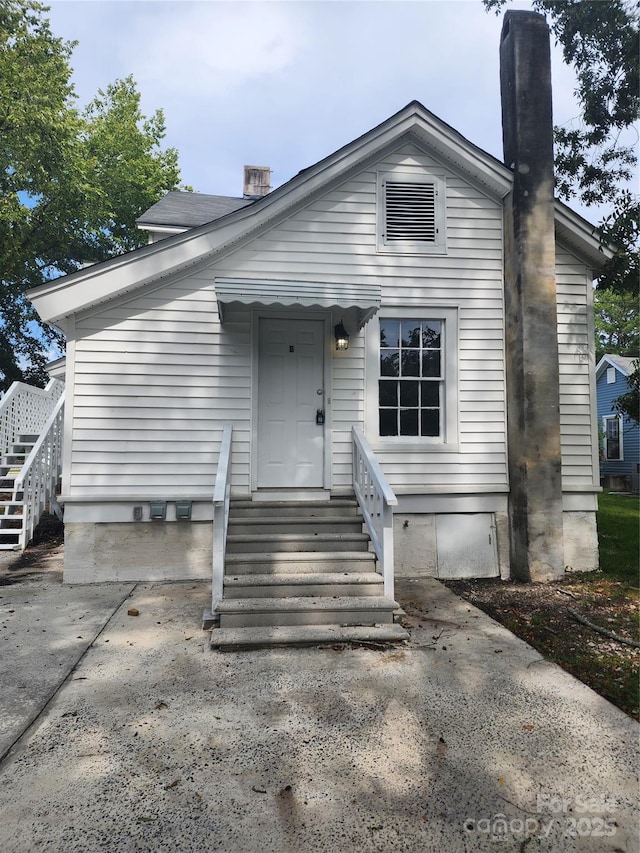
<point>321,610</point>
<point>294,561</point>
<point>237,639</point>
<point>259,542</point>
<point>11,499</point>
<point>300,573</point>
<point>304,584</point>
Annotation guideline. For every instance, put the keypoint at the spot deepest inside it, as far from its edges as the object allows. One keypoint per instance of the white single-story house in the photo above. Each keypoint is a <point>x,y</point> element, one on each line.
<point>368,291</point>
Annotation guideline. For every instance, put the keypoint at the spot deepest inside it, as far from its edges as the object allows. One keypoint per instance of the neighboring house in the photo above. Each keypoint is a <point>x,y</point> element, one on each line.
<point>620,436</point>
<point>398,238</point>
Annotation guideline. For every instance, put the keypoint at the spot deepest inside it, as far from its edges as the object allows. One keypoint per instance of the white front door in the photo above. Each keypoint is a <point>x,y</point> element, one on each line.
<point>290,443</point>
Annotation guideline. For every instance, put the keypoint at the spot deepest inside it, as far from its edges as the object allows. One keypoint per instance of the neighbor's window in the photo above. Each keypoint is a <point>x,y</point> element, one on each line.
<point>612,438</point>
<point>410,384</point>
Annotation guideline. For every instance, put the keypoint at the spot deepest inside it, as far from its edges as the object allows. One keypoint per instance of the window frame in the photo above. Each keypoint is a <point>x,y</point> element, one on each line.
<point>408,247</point>
<point>617,418</point>
<point>449,420</point>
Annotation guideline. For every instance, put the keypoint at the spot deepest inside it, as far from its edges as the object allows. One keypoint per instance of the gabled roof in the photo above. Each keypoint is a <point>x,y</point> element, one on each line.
<point>188,210</point>
<point>623,363</point>
<point>123,274</point>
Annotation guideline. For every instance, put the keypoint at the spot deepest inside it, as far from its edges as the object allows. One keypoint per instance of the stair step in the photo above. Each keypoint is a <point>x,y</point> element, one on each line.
<point>248,543</point>
<point>340,610</point>
<point>316,525</point>
<point>290,561</point>
<point>14,459</point>
<point>233,639</point>
<point>303,584</point>
<point>294,509</point>
<point>27,438</point>
<point>10,522</point>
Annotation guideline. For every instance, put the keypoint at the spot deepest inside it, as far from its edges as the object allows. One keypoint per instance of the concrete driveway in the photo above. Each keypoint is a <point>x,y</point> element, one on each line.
<point>144,739</point>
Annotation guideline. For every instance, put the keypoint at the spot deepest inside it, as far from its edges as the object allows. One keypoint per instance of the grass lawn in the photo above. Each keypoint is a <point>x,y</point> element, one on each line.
<point>619,536</point>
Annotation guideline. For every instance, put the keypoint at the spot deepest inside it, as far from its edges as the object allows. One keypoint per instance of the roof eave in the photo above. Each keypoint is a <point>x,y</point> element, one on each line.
<point>582,236</point>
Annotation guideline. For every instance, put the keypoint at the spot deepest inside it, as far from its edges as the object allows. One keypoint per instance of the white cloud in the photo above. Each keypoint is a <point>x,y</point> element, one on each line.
<point>283,84</point>
<point>211,48</point>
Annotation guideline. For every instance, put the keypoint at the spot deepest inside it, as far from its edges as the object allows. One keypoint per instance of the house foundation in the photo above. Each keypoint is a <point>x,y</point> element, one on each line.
<point>121,551</point>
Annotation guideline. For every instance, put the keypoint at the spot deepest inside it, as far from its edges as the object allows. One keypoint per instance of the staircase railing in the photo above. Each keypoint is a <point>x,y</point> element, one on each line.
<point>41,472</point>
<point>25,409</point>
<point>221,495</point>
<point>376,499</point>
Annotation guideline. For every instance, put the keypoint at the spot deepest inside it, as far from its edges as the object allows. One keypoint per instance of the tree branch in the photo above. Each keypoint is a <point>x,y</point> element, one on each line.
<point>602,631</point>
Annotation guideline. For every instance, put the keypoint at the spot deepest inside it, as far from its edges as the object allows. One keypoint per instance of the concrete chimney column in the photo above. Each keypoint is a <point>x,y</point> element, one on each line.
<point>533,410</point>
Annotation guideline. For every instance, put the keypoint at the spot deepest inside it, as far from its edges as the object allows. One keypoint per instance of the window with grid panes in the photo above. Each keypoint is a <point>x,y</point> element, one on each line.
<point>612,436</point>
<point>411,377</point>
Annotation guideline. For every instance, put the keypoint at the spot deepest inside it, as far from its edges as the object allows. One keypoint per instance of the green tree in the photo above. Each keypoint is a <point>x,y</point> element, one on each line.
<point>616,323</point>
<point>126,168</point>
<point>71,183</point>
<point>629,404</point>
<point>600,39</point>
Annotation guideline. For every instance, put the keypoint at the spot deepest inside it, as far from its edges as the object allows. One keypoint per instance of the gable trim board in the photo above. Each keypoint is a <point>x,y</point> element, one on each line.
<point>162,353</point>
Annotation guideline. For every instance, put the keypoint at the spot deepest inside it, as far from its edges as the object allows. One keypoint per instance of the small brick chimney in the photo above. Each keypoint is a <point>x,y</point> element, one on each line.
<point>533,408</point>
<point>257,181</point>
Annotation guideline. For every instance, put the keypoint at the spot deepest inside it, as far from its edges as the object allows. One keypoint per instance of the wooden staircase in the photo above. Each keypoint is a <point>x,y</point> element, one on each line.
<point>12,510</point>
<point>301,573</point>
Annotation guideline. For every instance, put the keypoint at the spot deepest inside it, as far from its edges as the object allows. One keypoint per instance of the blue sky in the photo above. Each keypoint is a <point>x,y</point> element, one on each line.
<point>283,84</point>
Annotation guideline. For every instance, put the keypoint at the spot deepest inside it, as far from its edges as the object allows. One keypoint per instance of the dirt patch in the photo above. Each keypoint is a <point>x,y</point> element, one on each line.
<point>541,614</point>
<point>44,556</point>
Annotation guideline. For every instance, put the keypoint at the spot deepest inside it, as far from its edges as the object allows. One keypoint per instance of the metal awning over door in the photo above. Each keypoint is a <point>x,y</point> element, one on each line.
<point>366,298</point>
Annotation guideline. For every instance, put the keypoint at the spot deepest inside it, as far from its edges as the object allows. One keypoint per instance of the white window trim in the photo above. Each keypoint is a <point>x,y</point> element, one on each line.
<point>611,375</point>
<point>605,447</point>
<point>439,247</point>
<point>448,441</point>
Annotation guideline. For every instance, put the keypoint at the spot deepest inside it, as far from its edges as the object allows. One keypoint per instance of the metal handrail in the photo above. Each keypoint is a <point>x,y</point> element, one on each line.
<point>376,499</point>
<point>221,497</point>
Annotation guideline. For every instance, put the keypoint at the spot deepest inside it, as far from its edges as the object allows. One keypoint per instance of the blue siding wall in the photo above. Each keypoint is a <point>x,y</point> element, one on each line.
<point>606,394</point>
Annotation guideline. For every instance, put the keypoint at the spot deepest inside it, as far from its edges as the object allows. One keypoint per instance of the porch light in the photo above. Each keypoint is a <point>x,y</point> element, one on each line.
<point>342,337</point>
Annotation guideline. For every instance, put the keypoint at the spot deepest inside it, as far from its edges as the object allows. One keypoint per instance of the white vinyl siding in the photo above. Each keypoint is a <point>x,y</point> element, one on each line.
<point>158,376</point>
<point>335,239</point>
<point>156,379</point>
<point>577,372</point>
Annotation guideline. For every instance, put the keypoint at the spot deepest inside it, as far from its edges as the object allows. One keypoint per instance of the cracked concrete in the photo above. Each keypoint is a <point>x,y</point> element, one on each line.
<point>459,739</point>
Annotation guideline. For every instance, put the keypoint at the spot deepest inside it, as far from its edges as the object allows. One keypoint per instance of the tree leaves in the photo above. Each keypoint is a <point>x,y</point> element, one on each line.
<point>71,183</point>
<point>628,404</point>
<point>596,156</point>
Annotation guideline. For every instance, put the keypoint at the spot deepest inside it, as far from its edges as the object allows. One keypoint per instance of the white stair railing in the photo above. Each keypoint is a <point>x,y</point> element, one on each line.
<point>24,410</point>
<point>41,472</point>
<point>376,499</point>
<point>221,495</point>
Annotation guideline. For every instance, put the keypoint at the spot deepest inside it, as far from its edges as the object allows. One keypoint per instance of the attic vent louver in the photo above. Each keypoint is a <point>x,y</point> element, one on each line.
<point>411,215</point>
<point>410,212</point>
